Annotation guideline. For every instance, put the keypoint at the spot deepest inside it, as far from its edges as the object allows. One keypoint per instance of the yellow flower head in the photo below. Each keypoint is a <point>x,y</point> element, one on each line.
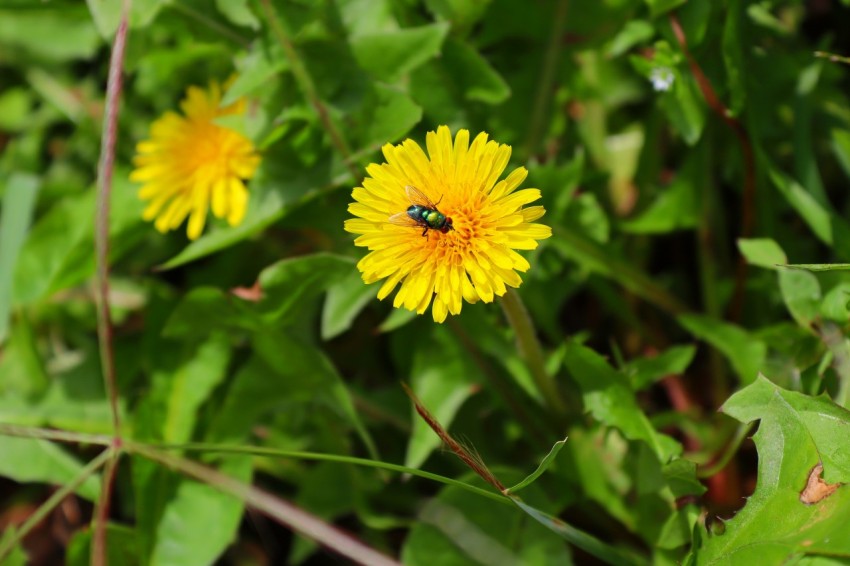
<point>469,254</point>
<point>191,163</point>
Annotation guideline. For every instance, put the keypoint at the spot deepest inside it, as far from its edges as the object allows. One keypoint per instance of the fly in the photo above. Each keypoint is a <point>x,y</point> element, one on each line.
<point>422,213</point>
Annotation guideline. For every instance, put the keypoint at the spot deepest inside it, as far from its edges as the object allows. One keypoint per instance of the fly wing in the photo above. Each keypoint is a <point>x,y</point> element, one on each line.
<point>418,197</point>
<point>403,219</point>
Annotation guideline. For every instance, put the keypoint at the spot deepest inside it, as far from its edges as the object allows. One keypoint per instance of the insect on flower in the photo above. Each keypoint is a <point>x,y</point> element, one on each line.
<point>422,213</point>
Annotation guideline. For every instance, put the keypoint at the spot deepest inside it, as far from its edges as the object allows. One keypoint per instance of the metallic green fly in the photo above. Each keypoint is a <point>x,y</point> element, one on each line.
<point>422,213</point>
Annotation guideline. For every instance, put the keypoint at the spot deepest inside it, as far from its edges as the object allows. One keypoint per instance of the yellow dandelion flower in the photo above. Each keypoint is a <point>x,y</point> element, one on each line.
<point>191,164</point>
<point>467,251</point>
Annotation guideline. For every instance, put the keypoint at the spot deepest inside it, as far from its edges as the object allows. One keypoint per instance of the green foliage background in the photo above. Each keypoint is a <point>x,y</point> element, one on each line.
<point>661,297</point>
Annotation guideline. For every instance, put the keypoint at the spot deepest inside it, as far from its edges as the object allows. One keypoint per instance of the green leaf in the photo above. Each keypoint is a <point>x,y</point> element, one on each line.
<point>389,55</point>
<point>744,352</point>
<point>609,398</point>
<point>830,228</point>
<point>345,300</point>
<point>15,217</point>
<point>62,33</point>
<point>685,108</point>
<point>16,105</point>
<point>442,377</point>
<point>763,252</point>
<point>801,293</point>
<point>204,309</point>
<point>238,13</point>
<point>200,521</point>
<point>28,460</point>
<point>644,372</point>
<point>544,465</point>
<point>259,217</point>
<point>58,251</point>
<point>255,70</point>
<point>633,33</point>
<point>676,208</point>
<point>389,117</point>
<point>21,365</point>
<point>681,476</point>
<point>289,282</point>
<point>795,434</point>
<point>472,74</point>
<point>177,393</point>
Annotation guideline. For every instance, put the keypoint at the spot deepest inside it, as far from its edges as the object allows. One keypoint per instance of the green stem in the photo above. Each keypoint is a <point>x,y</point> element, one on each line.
<point>530,350</point>
<point>319,457</point>
<point>307,86</point>
<point>45,508</point>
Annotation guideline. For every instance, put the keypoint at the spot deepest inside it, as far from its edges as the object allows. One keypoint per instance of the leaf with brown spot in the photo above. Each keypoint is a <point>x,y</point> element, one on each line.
<point>816,489</point>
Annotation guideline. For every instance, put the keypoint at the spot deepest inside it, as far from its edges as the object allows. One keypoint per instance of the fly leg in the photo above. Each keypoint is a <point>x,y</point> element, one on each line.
<point>425,232</point>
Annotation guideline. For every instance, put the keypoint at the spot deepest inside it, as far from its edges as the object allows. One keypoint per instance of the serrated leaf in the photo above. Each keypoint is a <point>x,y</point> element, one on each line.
<point>795,434</point>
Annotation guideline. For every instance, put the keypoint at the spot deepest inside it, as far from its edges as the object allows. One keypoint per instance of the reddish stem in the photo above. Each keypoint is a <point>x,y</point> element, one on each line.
<point>101,239</point>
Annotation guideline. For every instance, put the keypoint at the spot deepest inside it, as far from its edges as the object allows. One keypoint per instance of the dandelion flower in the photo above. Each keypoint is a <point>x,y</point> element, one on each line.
<point>473,256</point>
<point>191,164</point>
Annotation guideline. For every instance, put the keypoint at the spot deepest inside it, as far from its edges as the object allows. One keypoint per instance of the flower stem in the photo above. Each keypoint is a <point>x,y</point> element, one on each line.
<point>530,349</point>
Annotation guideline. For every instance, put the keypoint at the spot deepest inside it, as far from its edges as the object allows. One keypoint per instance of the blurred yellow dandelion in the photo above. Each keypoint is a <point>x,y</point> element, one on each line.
<point>191,164</point>
<point>467,250</point>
